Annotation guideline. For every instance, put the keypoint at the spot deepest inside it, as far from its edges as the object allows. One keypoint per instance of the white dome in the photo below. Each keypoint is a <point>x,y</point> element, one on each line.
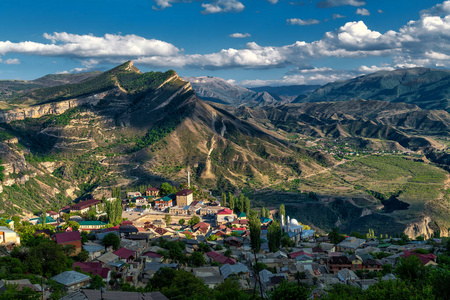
<point>293,222</point>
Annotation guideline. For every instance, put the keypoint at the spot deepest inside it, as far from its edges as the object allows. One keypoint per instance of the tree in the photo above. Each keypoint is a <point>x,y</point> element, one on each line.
<point>229,289</point>
<point>411,269</point>
<point>12,292</point>
<point>282,212</point>
<point>290,291</point>
<point>181,222</point>
<point>223,199</point>
<point>231,201</point>
<point>167,219</point>
<point>194,220</point>
<point>111,239</point>
<point>114,211</point>
<point>335,237</point>
<point>96,282</point>
<point>255,242</point>
<point>167,189</point>
<point>72,224</point>
<point>197,259</point>
<point>274,236</point>
<point>247,206</point>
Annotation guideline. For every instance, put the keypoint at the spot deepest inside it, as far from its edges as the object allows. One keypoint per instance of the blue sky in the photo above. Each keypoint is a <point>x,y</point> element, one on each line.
<point>255,42</point>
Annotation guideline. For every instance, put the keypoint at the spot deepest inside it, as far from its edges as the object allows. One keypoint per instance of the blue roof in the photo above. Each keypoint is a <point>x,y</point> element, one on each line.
<point>307,233</point>
<point>265,220</point>
<point>69,278</point>
<point>242,215</point>
<point>186,207</point>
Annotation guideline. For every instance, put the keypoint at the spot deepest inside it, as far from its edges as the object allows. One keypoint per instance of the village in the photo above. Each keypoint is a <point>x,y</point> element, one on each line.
<point>210,241</point>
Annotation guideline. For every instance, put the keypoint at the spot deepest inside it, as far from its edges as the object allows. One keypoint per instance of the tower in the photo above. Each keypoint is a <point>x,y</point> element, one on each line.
<point>189,180</point>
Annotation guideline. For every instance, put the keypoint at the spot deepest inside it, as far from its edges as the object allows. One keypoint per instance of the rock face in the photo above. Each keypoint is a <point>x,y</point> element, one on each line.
<point>54,108</point>
<point>420,228</point>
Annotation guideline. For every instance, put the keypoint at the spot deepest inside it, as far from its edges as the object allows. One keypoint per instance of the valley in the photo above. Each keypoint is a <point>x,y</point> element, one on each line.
<point>331,163</point>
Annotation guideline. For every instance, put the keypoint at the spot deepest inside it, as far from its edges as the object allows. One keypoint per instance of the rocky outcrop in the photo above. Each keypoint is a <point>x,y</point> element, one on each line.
<point>54,108</point>
<point>420,228</point>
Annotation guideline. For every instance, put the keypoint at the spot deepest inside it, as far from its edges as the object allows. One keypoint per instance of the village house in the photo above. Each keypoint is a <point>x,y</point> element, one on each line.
<point>8,236</point>
<point>336,263</point>
<point>125,254</point>
<point>346,276</point>
<point>210,210</point>
<point>152,192</point>
<point>426,259</point>
<point>72,280</point>
<point>133,194</point>
<point>224,216</point>
<point>185,197</point>
<point>350,244</point>
<point>69,238</point>
<point>84,206</point>
<point>91,225</point>
<point>96,268</point>
<point>162,204</point>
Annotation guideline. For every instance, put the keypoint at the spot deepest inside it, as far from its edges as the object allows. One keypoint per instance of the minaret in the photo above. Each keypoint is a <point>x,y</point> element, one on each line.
<point>189,180</point>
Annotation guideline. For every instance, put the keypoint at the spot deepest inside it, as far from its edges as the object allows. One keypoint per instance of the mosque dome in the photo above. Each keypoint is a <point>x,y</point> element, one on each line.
<point>293,222</point>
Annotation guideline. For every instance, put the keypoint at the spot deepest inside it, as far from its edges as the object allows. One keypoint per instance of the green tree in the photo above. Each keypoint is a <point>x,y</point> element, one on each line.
<point>335,237</point>
<point>290,291</point>
<point>247,206</point>
<point>223,200</point>
<point>181,222</point>
<point>229,289</point>
<point>282,212</point>
<point>254,225</point>
<point>167,219</point>
<point>12,292</point>
<point>111,239</point>
<point>194,220</point>
<point>167,189</point>
<point>72,224</point>
<point>231,201</point>
<point>274,236</point>
<point>197,259</point>
<point>113,210</point>
<point>411,269</point>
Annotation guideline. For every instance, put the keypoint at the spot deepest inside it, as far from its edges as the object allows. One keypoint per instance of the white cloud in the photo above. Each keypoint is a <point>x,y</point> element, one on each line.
<point>373,69</point>
<point>273,1</point>
<point>380,11</point>
<point>333,3</point>
<point>109,45</point>
<point>296,21</point>
<point>12,61</point>
<point>337,16</point>
<point>362,12</point>
<point>240,35</point>
<point>222,6</point>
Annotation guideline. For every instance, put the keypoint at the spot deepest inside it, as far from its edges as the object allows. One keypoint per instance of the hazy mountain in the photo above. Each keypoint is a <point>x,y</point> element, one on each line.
<point>287,92</point>
<point>426,88</point>
<point>217,90</point>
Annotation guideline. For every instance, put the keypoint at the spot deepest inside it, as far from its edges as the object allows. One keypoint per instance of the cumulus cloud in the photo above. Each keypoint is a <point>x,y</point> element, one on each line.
<point>222,6</point>
<point>109,45</point>
<point>11,61</point>
<point>333,3</point>
<point>337,16</point>
<point>372,69</point>
<point>273,1</point>
<point>240,35</point>
<point>303,22</point>
<point>362,12</point>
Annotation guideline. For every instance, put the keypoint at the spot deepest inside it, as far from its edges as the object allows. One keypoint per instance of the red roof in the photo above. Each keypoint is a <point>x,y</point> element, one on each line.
<point>126,223</point>
<point>221,259</point>
<point>220,233</point>
<point>115,228</point>
<point>239,229</point>
<point>184,192</point>
<point>151,254</point>
<point>299,253</point>
<point>201,224</point>
<point>85,204</point>
<point>65,237</point>
<point>152,189</point>
<point>225,211</point>
<point>124,253</point>
<point>424,258</point>
<point>160,231</point>
<point>92,267</point>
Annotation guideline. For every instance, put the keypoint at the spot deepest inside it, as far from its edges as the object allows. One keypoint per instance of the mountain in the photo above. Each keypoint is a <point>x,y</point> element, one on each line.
<point>217,90</point>
<point>125,128</point>
<point>287,92</point>
<point>426,88</point>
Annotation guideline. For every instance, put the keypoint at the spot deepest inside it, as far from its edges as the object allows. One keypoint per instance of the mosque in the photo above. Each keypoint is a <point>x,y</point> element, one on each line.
<point>295,230</point>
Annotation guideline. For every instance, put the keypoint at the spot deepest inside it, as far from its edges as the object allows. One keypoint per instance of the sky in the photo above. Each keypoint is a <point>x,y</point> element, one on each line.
<point>250,43</point>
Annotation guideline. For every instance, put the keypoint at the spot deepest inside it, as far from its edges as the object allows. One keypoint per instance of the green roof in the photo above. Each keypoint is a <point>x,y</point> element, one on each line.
<point>383,245</point>
<point>47,220</point>
<point>87,223</point>
<point>242,215</point>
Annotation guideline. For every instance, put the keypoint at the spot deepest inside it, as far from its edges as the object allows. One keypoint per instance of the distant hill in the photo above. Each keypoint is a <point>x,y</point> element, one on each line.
<point>217,90</point>
<point>426,88</point>
<point>287,92</point>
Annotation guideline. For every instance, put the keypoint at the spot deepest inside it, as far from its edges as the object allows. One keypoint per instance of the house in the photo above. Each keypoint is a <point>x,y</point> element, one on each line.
<point>95,268</point>
<point>426,259</point>
<point>202,227</point>
<point>139,201</point>
<point>53,214</point>
<point>87,294</point>
<point>302,256</point>
<point>8,236</point>
<point>134,194</point>
<point>265,221</point>
<point>152,192</point>
<point>94,250</point>
<point>357,262</point>
<point>37,221</point>
<point>107,258</point>
<point>125,254</point>
<point>233,241</point>
<point>227,270</point>
<point>91,225</point>
<point>184,197</point>
<point>350,244</point>
<point>20,283</point>
<point>210,275</point>
<point>224,216</point>
<point>221,259</point>
<point>165,202</point>
<point>372,265</point>
<point>346,275</point>
<point>210,210</point>
<point>72,280</point>
<point>336,263</point>
<point>69,238</point>
<point>84,206</point>
<point>242,216</point>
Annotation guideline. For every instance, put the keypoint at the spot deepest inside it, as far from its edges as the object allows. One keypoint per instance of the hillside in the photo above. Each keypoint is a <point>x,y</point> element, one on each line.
<point>125,127</point>
<point>286,92</point>
<point>426,88</point>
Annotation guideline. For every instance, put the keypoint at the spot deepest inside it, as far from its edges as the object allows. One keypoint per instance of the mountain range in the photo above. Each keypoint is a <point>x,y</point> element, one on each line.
<point>69,136</point>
